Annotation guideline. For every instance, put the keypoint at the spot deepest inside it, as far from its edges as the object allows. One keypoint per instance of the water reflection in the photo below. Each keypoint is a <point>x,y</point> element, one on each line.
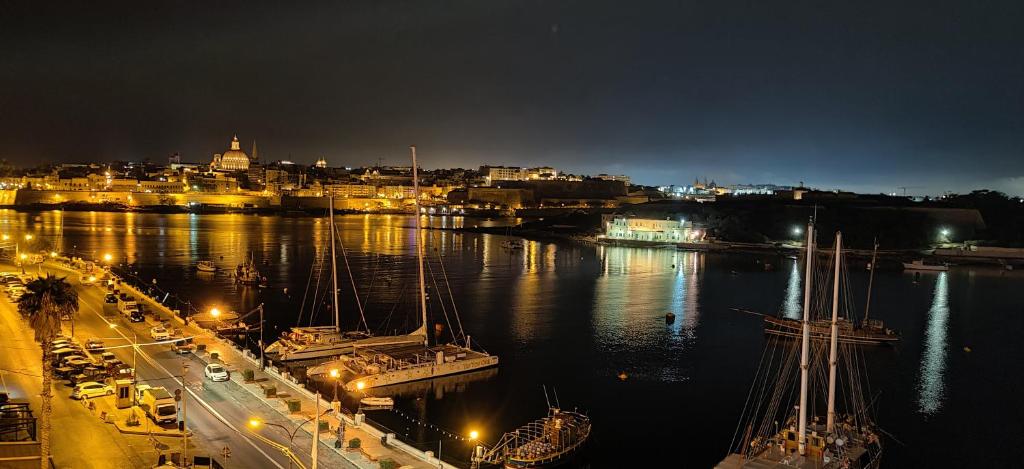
<point>635,291</point>
<point>933,363</point>
<point>792,308</point>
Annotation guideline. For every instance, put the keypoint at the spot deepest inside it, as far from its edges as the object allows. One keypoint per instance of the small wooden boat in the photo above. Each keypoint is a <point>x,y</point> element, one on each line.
<point>551,441</point>
<point>206,266</point>
<point>513,245</point>
<point>377,402</point>
<point>921,266</point>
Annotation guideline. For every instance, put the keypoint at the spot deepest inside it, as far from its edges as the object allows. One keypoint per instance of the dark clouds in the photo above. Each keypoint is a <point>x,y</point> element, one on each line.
<point>863,95</point>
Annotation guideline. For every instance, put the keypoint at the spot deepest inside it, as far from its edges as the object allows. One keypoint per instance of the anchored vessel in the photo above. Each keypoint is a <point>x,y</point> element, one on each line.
<point>381,364</point>
<point>921,266</point>
<point>206,266</point>
<point>846,440</point>
<point>247,273</point>
<point>546,442</point>
<point>318,342</point>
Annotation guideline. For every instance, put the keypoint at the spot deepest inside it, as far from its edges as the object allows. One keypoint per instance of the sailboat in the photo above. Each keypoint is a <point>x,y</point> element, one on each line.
<point>246,273</point>
<point>868,331</point>
<point>838,441</point>
<point>317,342</point>
<point>373,365</point>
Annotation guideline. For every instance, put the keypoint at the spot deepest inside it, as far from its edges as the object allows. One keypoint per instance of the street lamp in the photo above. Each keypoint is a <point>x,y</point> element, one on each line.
<point>797,231</point>
<point>215,312</point>
<point>473,435</point>
<point>335,374</point>
<point>256,423</point>
<point>107,257</point>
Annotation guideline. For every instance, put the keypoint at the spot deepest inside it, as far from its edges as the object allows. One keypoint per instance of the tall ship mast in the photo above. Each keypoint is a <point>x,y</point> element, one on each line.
<point>324,342</point>
<point>373,365</point>
<point>847,440</point>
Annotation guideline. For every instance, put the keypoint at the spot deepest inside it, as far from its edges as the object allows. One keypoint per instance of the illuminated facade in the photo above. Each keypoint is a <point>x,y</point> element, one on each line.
<point>652,230</point>
<point>232,160</point>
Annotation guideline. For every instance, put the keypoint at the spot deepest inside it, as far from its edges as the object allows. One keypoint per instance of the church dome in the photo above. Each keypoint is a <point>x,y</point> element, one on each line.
<point>234,159</point>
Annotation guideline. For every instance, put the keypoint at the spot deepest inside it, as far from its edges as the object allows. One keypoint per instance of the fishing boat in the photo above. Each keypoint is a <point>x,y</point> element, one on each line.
<point>377,402</point>
<point>206,266</point>
<point>373,364</point>
<point>246,273</point>
<point>919,265</point>
<point>550,441</point>
<point>847,440</point>
<point>319,342</point>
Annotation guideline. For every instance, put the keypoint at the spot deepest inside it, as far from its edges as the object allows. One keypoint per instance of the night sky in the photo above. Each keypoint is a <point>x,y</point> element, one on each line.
<point>860,95</point>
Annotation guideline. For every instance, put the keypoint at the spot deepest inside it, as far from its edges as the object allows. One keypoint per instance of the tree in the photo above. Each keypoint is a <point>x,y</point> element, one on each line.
<point>46,301</point>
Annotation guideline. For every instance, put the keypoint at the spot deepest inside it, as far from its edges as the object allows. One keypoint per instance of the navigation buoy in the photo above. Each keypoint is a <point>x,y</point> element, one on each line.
<point>670,317</point>
<point>623,376</point>
<point>967,349</point>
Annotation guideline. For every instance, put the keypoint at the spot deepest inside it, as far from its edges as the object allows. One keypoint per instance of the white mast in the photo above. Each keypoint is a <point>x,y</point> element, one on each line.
<point>334,267</point>
<point>833,347</point>
<point>805,347</point>
<point>419,248</point>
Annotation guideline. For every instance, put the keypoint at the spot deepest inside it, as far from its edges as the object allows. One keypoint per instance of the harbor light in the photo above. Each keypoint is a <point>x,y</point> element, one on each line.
<point>107,257</point>
<point>360,385</point>
<point>944,232</point>
<point>23,256</point>
<point>28,237</point>
<point>215,312</point>
<point>797,230</point>
<point>53,253</point>
<point>6,236</point>
<point>473,435</point>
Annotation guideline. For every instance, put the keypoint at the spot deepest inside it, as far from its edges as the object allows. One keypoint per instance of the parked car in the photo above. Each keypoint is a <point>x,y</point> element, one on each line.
<point>108,357</point>
<point>182,347</point>
<point>110,298</point>
<point>91,389</point>
<point>159,333</point>
<point>94,343</point>
<point>215,372</point>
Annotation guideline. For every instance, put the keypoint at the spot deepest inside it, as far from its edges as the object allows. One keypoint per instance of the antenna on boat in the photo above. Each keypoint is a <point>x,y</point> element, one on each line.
<point>557,404</point>
<point>833,344</point>
<point>419,248</point>
<point>545,388</point>
<point>334,268</point>
<point>806,337</point>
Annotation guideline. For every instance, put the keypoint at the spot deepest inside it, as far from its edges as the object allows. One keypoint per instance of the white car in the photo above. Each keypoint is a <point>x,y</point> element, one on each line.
<point>215,372</point>
<point>91,389</point>
<point>159,333</point>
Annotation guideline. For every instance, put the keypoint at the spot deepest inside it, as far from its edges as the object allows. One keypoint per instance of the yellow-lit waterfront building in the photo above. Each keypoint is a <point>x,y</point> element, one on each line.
<point>652,230</point>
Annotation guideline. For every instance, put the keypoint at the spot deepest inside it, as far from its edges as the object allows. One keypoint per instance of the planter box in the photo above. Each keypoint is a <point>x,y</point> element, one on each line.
<point>269,390</point>
<point>294,406</point>
<point>248,375</point>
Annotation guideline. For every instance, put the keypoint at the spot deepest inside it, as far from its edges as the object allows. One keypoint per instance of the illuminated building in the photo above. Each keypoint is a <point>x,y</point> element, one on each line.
<point>232,160</point>
<point>652,230</point>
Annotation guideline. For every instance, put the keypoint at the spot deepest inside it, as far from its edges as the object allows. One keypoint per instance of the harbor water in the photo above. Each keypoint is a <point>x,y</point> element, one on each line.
<point>589,322</point>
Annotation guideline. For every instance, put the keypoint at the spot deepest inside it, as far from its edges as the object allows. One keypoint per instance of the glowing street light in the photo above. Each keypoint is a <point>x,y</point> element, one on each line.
<point>53,253</point>
<point>107,257</point>
<point>28,237</point>
<point>797,230</point>
<point>474,435</point>
<point>6,236</point>
<point>944,232</point>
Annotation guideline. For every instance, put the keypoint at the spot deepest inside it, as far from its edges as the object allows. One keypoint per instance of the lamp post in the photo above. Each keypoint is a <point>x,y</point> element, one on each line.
<point>255,424</point>
<point>335,375</point>
<point>215,312</point>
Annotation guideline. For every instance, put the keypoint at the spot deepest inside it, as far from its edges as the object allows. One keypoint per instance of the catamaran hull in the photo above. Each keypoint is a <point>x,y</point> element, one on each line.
<point>422,372</point>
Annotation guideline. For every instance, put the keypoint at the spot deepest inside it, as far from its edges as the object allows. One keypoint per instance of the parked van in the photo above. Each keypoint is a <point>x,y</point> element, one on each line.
<point>158,404</point>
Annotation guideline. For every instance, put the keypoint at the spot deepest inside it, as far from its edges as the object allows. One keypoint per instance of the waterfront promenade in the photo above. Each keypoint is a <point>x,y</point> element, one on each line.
<point>218,413</point>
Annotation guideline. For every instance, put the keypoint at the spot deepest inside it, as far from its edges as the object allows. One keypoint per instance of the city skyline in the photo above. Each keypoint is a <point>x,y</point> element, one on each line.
<point>835,96</point>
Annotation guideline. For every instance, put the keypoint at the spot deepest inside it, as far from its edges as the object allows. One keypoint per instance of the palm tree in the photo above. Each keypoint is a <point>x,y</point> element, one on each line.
<point>47,301</point>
